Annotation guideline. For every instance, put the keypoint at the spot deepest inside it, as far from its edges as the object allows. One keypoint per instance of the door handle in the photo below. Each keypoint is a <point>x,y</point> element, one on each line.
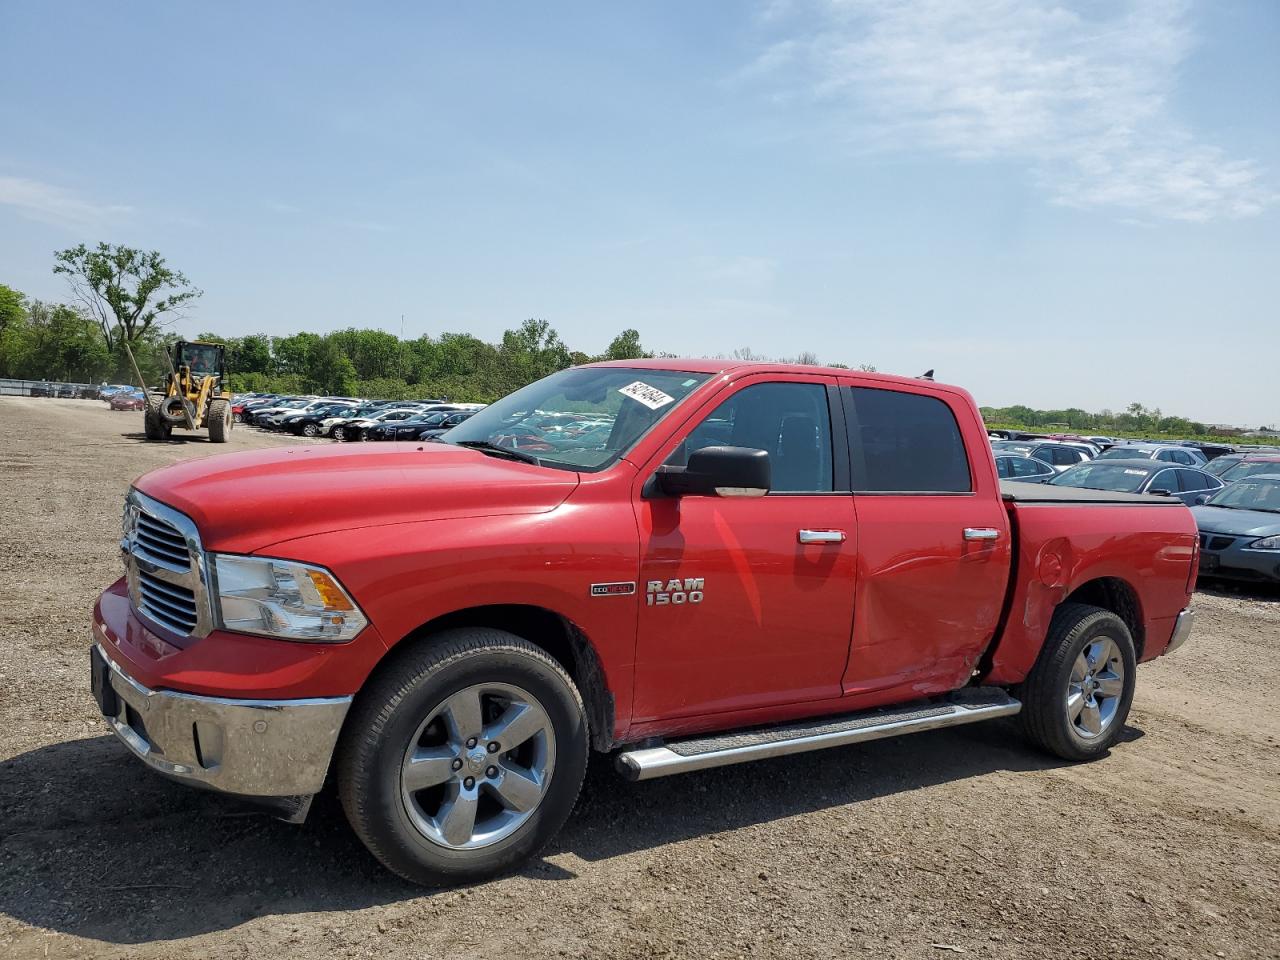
<point>820,536</point>
<point>981,533</point>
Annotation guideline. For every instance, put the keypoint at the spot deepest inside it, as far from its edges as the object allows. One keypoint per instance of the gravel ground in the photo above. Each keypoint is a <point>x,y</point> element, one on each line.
<point>959,841</point>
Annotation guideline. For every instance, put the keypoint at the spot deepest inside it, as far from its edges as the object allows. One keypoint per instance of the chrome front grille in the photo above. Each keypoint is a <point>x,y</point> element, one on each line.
<point>161,541</point>
<point>173,606</point>
<point>165,567</point>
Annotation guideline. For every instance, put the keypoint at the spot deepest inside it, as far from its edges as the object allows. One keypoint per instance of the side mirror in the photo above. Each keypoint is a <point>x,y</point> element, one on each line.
<point>718,472</point>
<point>1202,499</point>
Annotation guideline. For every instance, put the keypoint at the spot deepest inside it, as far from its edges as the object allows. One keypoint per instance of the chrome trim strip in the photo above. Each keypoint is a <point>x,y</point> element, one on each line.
<point>649,763</point>
<point>1182,627</point>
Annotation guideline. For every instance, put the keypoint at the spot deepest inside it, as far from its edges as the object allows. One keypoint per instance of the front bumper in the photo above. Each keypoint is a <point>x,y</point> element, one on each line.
<point>251,748</point>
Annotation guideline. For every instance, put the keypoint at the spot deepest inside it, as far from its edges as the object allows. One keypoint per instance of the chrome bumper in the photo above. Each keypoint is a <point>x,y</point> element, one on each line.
<point>253,748</point>
<point>1181,630</point>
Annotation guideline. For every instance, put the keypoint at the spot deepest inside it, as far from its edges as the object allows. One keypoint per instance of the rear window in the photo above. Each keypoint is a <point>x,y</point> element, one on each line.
<point>906,443</point>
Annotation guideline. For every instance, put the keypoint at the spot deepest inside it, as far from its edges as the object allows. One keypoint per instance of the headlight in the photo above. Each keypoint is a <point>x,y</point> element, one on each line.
<point>283,598</point>
<point>1266,543</point>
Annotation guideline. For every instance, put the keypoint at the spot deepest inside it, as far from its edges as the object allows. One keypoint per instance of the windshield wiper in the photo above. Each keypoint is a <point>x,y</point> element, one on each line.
<point>484,446</point>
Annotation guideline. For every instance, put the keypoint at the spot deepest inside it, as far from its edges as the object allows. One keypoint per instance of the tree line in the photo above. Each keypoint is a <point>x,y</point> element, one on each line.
<point>1134,420</point>
<point>124,302</point>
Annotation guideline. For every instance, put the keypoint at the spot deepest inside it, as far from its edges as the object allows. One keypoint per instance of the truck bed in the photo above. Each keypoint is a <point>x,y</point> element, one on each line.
<point>1012,491</point>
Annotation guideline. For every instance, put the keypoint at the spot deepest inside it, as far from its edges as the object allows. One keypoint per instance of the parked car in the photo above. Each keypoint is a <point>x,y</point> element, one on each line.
<point>355,429</point>
<point>1018,466</point>
<point>1140,475</point>
<point>1252,465</point>
<point>408,428</point>
<point>449,422</point>
<point>1060,456</point>
<point>308,423</point>
<point>1168,453</point>
<point>128,400</point>
<point>451,650</point>
<point>273,420</point>
<point>1240,530</point>
<point>257,415</point>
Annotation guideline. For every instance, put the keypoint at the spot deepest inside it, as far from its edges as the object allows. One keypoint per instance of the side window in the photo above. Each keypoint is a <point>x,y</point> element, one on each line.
<point>1006,467</point>
<point>1164,480</point>
<point>1193,481</point>
<point>788,420</point>
<point>906,442</point>
<point>1027,468</point>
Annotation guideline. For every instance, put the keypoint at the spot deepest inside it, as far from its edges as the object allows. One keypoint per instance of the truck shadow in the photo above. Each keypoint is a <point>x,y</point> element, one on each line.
<point>93,845</point>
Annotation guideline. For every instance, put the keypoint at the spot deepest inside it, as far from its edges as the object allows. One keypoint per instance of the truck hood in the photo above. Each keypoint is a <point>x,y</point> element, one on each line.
<point>1239,523</point>
<point>243,502</point>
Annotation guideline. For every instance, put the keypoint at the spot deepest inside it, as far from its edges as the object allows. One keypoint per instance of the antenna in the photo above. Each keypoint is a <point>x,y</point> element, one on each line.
<point>927,375</point>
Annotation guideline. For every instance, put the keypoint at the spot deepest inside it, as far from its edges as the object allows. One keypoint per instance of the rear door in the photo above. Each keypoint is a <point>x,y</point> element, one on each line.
<point>933,542</point>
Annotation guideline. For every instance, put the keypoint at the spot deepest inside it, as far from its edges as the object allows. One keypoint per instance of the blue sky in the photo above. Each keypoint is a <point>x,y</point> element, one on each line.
<point>1051,203</point>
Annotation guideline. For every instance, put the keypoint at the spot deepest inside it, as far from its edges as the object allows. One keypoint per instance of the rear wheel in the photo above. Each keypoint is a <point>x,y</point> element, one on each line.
<point>153,421</point>
<point>219,420</point>
<point>339,433</point>
<point>311,429</point>
<point>464,757</point>
<point>1077,696</point>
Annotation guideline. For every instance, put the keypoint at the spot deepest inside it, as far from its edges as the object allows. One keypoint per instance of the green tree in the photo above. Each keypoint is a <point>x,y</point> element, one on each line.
<point>625,346</point>
<point>126,291</point>
<point>63,344</point>
<point>292,354</point>
<point>329,369</point>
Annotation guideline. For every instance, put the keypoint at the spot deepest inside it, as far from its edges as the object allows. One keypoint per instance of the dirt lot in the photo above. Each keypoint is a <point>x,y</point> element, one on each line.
<point>953,841</point>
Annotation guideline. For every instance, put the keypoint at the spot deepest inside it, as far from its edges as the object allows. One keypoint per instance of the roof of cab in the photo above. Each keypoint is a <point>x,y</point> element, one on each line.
<point>714,366</point>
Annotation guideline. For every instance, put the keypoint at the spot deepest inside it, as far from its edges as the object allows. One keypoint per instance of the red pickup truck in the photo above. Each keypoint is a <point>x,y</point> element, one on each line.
<point>685,563</point>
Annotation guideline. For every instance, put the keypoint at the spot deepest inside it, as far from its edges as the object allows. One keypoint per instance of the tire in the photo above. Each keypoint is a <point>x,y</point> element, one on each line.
<point>153,422</point>
<point>310,429</point>
<point>412,706</point>
<point>339,433</point>
<point>219,420</point>
<point>238,417</point>
<point>1077,697</point>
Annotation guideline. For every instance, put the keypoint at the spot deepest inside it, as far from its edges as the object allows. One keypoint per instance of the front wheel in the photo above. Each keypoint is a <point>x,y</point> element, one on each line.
<point>311,429</point>
<point>1077,696</point>
<point>219,420</point>
<point>464,757</point>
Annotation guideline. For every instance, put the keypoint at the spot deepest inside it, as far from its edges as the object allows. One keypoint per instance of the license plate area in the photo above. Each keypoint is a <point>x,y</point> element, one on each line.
<point>1208,562</point>
<point>100,683</point>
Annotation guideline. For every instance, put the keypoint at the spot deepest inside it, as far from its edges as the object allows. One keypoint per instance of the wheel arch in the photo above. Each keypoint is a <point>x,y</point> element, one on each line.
<point>1119,597</point>
<point>557,635</point>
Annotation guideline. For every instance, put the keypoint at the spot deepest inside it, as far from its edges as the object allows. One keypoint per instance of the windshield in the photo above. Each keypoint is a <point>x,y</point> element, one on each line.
<point>583,418</point>
<point>1103,476</point>
<point>1250,495</point>
<point>1017,446</point>
<point>1246,468</point>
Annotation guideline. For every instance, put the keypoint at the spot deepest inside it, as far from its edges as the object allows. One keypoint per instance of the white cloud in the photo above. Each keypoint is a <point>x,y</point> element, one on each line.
<point>1079,94</point>
<point>54,205</point>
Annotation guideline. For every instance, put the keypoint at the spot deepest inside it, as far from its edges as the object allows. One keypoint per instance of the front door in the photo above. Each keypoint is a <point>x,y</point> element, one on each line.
<point>748,602</point>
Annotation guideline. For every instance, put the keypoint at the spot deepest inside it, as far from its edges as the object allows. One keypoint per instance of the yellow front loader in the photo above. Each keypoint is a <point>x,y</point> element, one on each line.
<point>195,394</point>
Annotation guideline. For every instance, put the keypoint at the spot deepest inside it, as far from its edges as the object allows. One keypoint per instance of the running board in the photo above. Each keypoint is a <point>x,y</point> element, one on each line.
<point>739,746</point>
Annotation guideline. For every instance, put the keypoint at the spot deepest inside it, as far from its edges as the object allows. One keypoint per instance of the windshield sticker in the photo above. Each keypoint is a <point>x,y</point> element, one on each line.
<point>651,397</point>
<point>1137,473</point>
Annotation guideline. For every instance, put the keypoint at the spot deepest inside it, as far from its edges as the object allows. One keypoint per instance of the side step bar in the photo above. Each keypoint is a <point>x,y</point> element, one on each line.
<point>739,746</point>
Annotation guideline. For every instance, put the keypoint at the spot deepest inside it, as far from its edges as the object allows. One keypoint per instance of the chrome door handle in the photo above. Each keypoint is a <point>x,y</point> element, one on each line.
<point>981,533</point>
<point>821,536</point>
